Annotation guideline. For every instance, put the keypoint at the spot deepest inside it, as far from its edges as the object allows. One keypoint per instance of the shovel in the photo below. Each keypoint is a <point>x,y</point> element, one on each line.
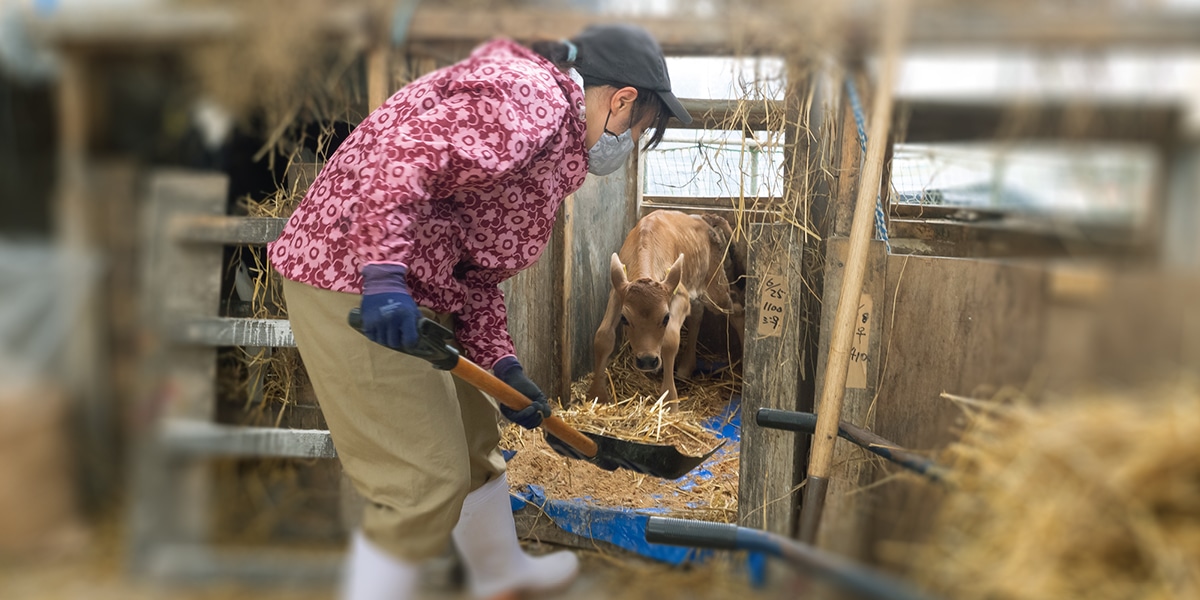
<point>434,345</point>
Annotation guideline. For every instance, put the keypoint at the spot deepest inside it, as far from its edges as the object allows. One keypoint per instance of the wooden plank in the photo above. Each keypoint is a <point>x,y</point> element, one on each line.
<point>766,499</point>
<point>199,564</point>
<point>221,229</point>
<point>965,327</point>
<point>844,526</point>
<point>1012,237</point>
<point>1085,120</point>
<point>210,439</point>
<point>229,331</point>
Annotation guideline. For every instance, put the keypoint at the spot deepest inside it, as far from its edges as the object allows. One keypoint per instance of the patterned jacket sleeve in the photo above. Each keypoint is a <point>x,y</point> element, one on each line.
<point>483,324</point>
<point>486,127</point>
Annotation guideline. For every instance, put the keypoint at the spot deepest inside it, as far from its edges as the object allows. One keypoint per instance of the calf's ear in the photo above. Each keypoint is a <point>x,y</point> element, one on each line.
<point>674,274</point>
<point>617,271</point>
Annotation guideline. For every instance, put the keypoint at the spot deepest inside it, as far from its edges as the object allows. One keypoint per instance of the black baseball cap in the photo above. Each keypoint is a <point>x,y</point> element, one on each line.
<point>626,55</point>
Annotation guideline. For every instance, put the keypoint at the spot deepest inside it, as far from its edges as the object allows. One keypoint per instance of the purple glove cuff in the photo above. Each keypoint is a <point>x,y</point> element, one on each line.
<point>383,278</point>
<point>504,365</point>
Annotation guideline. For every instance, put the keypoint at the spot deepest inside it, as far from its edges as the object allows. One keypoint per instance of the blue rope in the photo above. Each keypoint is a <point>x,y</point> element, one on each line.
<point>881,231</point>
<point>401,19</point>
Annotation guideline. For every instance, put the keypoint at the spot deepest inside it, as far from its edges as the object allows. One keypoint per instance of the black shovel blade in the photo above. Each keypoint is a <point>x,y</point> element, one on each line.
<point>650,459</point>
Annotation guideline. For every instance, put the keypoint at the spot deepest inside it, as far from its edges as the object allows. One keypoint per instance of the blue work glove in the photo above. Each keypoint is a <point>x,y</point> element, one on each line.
<point>511,372</point>
<point>389,314</point>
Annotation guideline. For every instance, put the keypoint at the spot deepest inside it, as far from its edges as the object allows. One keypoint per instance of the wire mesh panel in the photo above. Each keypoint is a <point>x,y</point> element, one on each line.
<point>1096,182</point>
<point>721,163</point>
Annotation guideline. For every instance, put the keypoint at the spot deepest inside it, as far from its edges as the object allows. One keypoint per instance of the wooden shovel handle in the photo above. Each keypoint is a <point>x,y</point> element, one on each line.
<point>506,395</point>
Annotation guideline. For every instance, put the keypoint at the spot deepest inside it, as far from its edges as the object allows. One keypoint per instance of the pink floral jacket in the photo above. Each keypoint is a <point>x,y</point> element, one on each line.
<point>458,176</point>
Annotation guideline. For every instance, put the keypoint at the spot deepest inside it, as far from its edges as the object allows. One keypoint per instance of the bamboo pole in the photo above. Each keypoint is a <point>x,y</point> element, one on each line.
<point>829,410</point>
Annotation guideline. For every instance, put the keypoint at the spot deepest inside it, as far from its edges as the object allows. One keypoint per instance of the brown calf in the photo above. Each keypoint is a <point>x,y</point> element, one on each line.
<point>671,265</point>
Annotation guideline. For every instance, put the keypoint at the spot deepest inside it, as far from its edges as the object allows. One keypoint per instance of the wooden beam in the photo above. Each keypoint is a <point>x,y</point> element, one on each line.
<point>759,204</point>
<point>742,33</point>
<point>222,229</point>
<point>169,27</point>
<point>1009,238</point>
<point>758,32</point>
<point>230,331</point>
<point>1085,120</point>
<point>732,114</point>
<point>202,438</point>
<point>775,287</point>
<point>201,564</point>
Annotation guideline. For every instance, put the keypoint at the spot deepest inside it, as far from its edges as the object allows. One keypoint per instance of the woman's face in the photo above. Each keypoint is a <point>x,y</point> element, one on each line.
<point>604,102</point>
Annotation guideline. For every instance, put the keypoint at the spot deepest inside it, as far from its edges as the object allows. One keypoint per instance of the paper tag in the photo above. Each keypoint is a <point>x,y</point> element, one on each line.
<point>772,307</point>
<point>860,344</point>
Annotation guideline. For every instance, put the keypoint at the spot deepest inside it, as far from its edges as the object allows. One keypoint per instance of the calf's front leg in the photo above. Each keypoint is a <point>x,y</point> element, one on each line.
<point>602,348</point>
<point>687,362</point>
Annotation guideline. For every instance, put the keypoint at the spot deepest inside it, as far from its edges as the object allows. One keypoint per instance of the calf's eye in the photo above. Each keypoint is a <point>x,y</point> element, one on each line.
<point>624,321</point>
<point>666,319</point>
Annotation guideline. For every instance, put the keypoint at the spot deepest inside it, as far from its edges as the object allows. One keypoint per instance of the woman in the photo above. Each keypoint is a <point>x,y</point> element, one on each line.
<point>442,193</point>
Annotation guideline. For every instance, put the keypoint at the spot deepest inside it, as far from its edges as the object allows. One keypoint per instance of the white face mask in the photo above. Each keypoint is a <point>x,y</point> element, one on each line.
<point>610,151</point>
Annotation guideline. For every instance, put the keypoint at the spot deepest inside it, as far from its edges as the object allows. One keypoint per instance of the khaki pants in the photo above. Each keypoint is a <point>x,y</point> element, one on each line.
<point>414,440</point>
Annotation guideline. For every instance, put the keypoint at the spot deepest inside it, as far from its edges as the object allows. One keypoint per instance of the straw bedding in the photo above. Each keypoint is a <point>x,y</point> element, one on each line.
<point>637,414</point>
<point>1097,497</point>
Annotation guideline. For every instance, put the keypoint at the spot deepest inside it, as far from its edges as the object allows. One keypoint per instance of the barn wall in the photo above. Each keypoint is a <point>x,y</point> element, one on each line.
<point>600,214</point>
<point>950,325</point>
<point>974,327</point>
<point>534,301</point>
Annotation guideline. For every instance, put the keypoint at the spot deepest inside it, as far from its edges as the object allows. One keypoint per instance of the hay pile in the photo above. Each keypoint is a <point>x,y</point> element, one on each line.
<point>1096,498</point>
<point>638,414</point>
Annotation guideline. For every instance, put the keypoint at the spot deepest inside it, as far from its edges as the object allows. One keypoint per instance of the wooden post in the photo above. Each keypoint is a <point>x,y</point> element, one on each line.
<point>829,407</point>
<point>170,501</point>
<point>85,365</point>
<point>844,526</point>
<point>771,376</point>
<point>379,86</point>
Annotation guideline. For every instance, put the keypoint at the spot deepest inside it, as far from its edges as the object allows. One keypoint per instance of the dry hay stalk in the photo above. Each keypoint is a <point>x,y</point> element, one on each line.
<point>1097,498</point>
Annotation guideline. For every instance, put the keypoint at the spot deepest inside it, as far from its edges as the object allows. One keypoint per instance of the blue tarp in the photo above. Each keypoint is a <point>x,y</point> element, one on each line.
<point>626,528</point>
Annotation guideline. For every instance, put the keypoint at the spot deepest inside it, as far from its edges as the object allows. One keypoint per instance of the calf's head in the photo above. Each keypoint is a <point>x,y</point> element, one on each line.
<point>646,310</point>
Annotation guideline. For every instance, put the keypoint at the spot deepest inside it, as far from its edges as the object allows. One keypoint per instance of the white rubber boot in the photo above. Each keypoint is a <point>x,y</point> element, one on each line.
<point>372,574</point>
<point>486,537</point>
